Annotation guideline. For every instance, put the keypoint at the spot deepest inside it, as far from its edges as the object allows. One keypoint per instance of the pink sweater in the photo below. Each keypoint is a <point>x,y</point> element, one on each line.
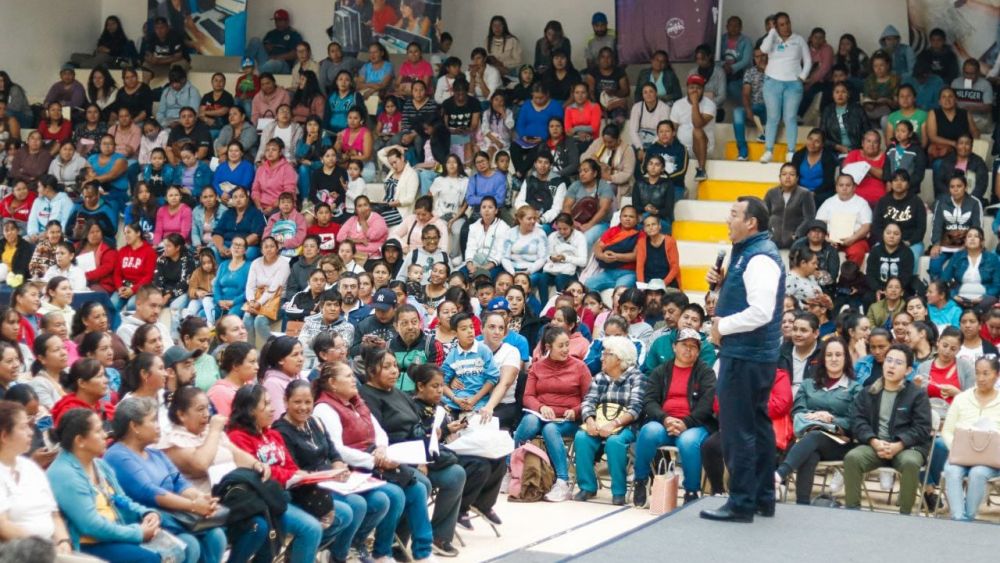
<point>179,222</point>
<point>370,242</point>
<point>273,180</point>
<point>267,106</point>
<point>288,240</point>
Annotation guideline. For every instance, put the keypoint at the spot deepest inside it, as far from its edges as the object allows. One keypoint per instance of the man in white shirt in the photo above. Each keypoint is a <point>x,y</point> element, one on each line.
<point>694,128</point>
<point>847,212</point>
<point>747,329</point>
<point>148,304</point>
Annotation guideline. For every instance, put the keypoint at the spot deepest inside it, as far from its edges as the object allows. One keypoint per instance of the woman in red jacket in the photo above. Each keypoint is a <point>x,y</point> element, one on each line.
<point>134,269</point>
<point>656,254</point>
<point>17,205</point>
<point>105,259</point>
<point>555,390</point>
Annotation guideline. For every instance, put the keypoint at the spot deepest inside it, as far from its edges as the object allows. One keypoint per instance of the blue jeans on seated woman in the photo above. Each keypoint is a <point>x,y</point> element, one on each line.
<point>740,126</point>
<point>653,435</point>
<point>382,509</point>
<point>122,304</point>
<point>249,541</point>
<point>616,446</point>
<point>305,176</point>
<point>205,547</point>
<point>306,531</point>
<point>552,433</point>
<point>964,504</point>
<point>606,279</point>
<point>258,329</point>
<point>595,233</point>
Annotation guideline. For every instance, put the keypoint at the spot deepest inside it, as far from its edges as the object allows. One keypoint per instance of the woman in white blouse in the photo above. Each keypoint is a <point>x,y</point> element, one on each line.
<point>484,249</point>
<point>646,115</point>
<point>788,65</point>
<point>65,266</point>
<point>268,275</point>
<point>27,506</point>
<point>567,253</point>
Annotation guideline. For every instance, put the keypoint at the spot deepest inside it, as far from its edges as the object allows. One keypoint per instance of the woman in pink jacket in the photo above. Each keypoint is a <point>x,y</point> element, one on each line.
<point>274,177</point>
<point>367,229</point>
<point>174,217</point>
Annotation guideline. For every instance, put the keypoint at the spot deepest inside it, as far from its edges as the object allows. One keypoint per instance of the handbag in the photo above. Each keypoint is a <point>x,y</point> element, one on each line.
<point>607,412</point>
<point>972,447</point>
<point>195,523</point>
<point>663,494</point>
<point>801,425</point>
<point>584,209</point>
<point>271,307</point>
<point>169,547</point>
<point>313,499</point>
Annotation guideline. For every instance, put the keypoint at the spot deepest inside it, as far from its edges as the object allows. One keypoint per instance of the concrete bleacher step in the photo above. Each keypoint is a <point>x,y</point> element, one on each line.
<point>730,190</point>
<point>749,171</point>
<point>693,278</point>
<point>756,150</point>
<point>706,211</point>
<point>700,253</point>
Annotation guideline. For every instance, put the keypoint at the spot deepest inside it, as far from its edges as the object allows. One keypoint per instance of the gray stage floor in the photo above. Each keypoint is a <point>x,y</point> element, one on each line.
<point>795,534</point>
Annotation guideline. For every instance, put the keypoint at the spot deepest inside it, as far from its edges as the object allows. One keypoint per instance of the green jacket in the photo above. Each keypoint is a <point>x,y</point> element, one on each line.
<point>837,402</point>
<point>662,351</point>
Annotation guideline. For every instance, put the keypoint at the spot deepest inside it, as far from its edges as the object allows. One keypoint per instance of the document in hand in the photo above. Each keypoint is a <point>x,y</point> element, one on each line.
<point>410,453</point>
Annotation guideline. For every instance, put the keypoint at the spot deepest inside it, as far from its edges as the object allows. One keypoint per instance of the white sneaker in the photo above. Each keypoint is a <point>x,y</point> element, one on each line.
<point>742,158</point>
<point>505,483</point>
<point>885,479</point>
<point>779,487</point>
<point>788,156</point>
<point>836,483</point>
<point>560,491</point>
<point>766,157</point>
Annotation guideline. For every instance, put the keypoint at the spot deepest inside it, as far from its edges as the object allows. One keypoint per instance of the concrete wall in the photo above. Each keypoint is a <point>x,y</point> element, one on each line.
<point>37,37</point>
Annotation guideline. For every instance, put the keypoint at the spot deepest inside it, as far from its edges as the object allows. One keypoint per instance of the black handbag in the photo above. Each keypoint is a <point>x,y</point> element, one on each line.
<point>313,499</point>
<point>195,523</point>
<point>403,476</point>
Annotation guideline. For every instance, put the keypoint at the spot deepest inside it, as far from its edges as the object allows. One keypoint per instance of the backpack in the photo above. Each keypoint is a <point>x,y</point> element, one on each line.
<point>531,474</point>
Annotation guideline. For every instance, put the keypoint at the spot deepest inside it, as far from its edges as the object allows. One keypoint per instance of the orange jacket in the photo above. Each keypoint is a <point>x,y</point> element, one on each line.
<point>673,259</point>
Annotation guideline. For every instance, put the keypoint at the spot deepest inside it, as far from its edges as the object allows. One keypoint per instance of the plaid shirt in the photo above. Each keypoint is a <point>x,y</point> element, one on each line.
<point>627,390</point>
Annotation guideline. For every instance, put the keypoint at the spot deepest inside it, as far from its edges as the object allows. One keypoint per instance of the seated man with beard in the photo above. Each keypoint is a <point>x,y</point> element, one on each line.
<point>411,346</point>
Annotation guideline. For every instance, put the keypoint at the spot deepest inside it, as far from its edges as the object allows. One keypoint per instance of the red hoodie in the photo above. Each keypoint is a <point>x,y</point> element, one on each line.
<point>135,266</point>
<point>984,332</point>
<point>69,402</point>
<point>106,259</point>
<point>269,448</point>
<point>21,213</point>
<point>779,409</point>
<point>560,386</point>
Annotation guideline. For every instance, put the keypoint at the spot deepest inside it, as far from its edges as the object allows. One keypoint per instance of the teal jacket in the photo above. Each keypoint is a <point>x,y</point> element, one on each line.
<point>76,498</point>
<point>662,351</point>
<point>837,401</point>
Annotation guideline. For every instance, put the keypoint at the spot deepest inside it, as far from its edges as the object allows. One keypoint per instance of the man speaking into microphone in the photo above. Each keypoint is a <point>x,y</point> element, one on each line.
<point>747,329</point>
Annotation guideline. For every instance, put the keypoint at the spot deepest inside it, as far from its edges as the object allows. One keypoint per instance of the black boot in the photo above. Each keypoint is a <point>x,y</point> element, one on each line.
<point>639,492</point>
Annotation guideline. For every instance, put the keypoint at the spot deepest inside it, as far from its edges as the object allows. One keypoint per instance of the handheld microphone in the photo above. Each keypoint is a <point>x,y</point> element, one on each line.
<point>719,259</point>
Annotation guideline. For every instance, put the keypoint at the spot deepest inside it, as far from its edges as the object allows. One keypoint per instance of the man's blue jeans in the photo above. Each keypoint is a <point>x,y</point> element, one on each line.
<point>740,126</point>
<point>653,435</point>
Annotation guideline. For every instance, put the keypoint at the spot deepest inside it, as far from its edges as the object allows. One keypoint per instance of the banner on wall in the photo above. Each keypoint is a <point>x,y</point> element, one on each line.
<point>395,24</point>
<point>209,27</point>
<point>973,28</point>
<point>677,27</point>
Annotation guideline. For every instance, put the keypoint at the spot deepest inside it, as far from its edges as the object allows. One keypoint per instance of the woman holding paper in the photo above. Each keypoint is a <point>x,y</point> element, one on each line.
<point>822,421</point>
<point>250,430</point>
<point>553,395</point>
<point>400,417</point>
<point>311,448</point>
<point>360,440</point>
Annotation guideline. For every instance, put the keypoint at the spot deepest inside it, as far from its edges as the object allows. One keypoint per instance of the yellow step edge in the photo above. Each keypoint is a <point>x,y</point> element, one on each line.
<point>693,278</point>
<point>729,190</point>
<point>756,150</point>
<point>700,231</point>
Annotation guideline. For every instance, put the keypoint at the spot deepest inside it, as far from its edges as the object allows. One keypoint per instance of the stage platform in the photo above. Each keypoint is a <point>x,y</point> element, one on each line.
<point>795,534</point>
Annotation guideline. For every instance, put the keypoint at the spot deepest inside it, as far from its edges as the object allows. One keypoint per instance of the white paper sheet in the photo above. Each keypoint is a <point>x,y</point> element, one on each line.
<point>410,453</point>
<point>439,415</point>
<point>356,483</point>
<point>217,472</point>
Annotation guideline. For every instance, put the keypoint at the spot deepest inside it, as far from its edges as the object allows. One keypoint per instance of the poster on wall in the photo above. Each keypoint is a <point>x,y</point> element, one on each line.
<point>393,23</point>
<point>209,27</point>
<point>973,28</point>
<point>677,27</point>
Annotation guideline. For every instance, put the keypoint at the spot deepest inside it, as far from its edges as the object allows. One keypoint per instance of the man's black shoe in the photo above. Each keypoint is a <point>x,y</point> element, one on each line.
<point>765,510</point>
<point>726,514</point>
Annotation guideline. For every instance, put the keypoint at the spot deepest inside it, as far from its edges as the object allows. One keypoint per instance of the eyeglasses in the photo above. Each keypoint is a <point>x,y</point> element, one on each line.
<point>894,362</point>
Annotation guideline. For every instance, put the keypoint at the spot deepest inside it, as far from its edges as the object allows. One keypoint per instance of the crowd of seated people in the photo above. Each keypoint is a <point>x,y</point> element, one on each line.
<point>278,316</point>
